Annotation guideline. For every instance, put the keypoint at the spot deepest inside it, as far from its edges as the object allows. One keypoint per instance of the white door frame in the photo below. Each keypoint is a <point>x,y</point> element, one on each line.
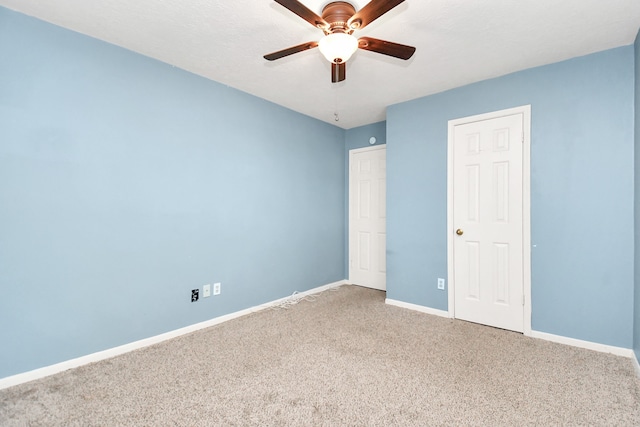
<point>351,153</point>
<point>525,110</point>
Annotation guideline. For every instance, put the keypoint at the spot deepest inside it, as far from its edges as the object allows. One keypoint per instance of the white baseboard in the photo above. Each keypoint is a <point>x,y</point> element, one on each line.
<point>636,365</point>
<point>415,307</point>
<point>602,348</point>
<point>116,351</point>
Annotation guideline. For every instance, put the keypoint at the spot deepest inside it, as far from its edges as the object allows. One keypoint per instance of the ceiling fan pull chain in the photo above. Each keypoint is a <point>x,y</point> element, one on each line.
<point>336,117</point>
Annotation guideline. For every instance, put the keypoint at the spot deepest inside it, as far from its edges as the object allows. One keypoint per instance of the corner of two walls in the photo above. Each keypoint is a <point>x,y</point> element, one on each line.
<point>126,182</point>
<point>636,339</point>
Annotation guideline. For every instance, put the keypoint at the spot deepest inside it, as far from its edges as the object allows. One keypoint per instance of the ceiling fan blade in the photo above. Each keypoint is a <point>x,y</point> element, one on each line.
<point>338,72</point>
<point>303,12</point>
<point>370,12</point>
<point>290,51</point>
<point>386,48</point>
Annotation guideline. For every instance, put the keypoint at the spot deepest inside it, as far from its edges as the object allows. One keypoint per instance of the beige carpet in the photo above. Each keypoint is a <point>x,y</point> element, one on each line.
<point>345,359</point>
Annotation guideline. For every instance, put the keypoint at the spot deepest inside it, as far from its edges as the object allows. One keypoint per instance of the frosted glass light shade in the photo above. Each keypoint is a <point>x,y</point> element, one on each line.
<point>338,47</point>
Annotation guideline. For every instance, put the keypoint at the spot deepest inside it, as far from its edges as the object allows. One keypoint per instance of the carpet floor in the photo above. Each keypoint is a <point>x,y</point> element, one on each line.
<point>341,358</point>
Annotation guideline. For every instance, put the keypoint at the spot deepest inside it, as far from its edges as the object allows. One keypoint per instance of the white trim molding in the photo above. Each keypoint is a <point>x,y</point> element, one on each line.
<point>602,348</point>
<point>360,150</point>
<point>589,345</point>
<point>126,348</point>
<point>416,307</point>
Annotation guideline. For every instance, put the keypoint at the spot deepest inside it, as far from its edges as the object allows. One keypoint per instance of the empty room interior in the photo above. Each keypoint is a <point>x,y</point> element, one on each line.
<point>170,168</point>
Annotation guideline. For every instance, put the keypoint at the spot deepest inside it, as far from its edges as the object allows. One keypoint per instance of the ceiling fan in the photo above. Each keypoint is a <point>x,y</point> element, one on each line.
<point>338,22</point>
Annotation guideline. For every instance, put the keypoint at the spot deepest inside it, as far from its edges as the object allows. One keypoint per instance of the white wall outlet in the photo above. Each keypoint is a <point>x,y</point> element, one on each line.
<point>206,291</point>
<point>216,288</point>
<point>440,283</point>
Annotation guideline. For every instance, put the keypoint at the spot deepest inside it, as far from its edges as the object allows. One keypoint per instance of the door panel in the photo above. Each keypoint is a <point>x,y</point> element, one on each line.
<point>367,217</point>
<point>488,211</point>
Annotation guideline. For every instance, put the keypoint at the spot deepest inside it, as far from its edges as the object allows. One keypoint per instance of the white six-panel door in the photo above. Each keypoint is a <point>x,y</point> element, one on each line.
<point>487,227</point>
<point>367,217</point>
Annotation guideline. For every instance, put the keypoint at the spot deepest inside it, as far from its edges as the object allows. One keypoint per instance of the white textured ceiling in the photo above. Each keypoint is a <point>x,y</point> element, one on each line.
<point>458,42</point>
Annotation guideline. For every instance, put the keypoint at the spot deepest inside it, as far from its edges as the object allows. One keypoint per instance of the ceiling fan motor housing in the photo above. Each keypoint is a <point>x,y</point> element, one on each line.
<point>337,14</point>
<point>339,44</point>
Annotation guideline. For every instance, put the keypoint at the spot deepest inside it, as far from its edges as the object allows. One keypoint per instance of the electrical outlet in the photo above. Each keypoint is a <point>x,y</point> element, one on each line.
<point>216,288</point>
<point>206,291</point>
<point>195,294</point>
<point>440,283</point>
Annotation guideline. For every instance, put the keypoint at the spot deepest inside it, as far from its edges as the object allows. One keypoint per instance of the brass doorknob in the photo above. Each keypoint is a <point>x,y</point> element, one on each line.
<point>459,232</point>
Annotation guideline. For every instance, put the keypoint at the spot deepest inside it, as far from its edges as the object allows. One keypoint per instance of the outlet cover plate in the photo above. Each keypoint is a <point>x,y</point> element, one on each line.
<point>440,283</point>
<point>216,288</point>
<point>206,291</point>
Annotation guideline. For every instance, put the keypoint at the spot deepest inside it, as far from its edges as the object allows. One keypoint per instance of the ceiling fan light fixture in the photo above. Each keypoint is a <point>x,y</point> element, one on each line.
<point>338,47</point>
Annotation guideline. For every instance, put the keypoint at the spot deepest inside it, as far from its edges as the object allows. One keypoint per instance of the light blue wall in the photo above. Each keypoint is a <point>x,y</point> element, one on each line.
<point>582,190</point>
<point>358,138</point>
<point>636,328</point>
<point>125,183</point>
